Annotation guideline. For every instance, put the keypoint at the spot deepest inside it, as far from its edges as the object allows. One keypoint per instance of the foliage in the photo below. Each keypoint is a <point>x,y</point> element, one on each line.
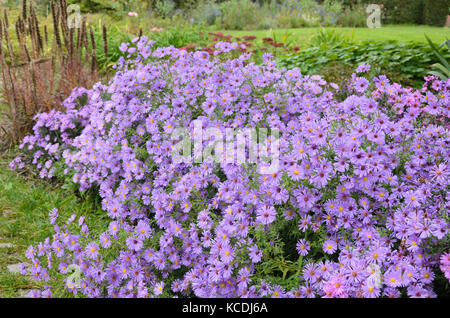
<point>402,11</point>
<point>164,8</point>
<point>436,12</point>
<point>354,17</point>
<point>207,12</point>
<point>179,37</point>
<point>410,59</point>
<point>115,36</point>
<point>441,69</point>
<point>329,37</point>
<point>274,44</point>
<point>112,7</point>
<point>430,12</point>
<point>247,15</point>
<point>240,14</point>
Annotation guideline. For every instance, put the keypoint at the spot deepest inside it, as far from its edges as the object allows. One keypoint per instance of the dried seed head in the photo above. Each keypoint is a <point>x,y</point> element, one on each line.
<point>5,19</point>
<point>105,41</point>
<point>56,24</point>
<point>24,9</point>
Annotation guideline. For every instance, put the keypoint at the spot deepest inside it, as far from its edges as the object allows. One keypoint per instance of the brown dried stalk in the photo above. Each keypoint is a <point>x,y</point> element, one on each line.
<point>32,81</point>
<point>24,10</point>
<point>55,16</point>
<point>93,51</point>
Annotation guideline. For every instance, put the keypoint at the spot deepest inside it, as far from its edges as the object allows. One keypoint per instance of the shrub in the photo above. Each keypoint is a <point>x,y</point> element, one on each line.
<point>403,11</point>
<point>354,17</point>
<point>358,206</point>
<point>329,37</point>
<point>240,14</point>
<point>179,37</point>
<point>245,14</point>
<point>113,7</point>
<point>207,12</point>
<point>436,11</point>
<point>164,8</point>
<point>294,14</point>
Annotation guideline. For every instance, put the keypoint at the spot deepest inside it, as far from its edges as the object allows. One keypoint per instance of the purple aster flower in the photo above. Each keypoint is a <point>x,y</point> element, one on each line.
<point>53,215</point>
<point>266,214</point>
<point>329,246</point>
<point>303,247</point>
<point>363,68</point>
<point>91,250</point>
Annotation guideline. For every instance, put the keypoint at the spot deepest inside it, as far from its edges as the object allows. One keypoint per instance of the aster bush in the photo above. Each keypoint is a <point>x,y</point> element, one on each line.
<point>358,206</point>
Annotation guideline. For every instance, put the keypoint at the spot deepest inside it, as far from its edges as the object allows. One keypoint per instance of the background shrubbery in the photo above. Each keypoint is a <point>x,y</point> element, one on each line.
<point>435,12</point>
<point>429,12</point>
<point>263,14</point>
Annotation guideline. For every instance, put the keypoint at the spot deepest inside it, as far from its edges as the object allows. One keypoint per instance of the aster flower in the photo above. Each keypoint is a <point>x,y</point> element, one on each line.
<point>255,254</point>
<point>226,254</point>
<point>303,247</point>
<point>91,250</point>
<point>277,291</point>
<point>113,227</point>
<point>30,252</point>
<point>266,214</point>
<point>53,215</point>
<point>440,174</point>
<point>363,68</point>
<point>329,246</point>
<point>310,272</point>
<point>392,278</point>
<point>34,293</point>
<point>105,240</point>
<point>370,291</point>
<point>413,198</point>
<point>143,230</point>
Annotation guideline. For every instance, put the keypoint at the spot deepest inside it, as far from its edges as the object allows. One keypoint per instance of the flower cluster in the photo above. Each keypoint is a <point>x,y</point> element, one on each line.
<point>358,207</point>
<point>445,264</point>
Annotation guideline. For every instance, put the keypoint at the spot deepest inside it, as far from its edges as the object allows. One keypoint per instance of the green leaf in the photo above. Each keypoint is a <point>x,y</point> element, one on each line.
<point>440,75</point>
<point>437,53</point>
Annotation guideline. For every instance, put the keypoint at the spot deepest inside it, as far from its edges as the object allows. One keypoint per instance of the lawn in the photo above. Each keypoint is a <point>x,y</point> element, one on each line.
<point>390,32</point>
<point>25,202</point>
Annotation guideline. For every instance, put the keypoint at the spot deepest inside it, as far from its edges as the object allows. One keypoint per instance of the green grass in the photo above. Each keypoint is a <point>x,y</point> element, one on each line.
<point>25,202</point>
<point>389,32</point>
